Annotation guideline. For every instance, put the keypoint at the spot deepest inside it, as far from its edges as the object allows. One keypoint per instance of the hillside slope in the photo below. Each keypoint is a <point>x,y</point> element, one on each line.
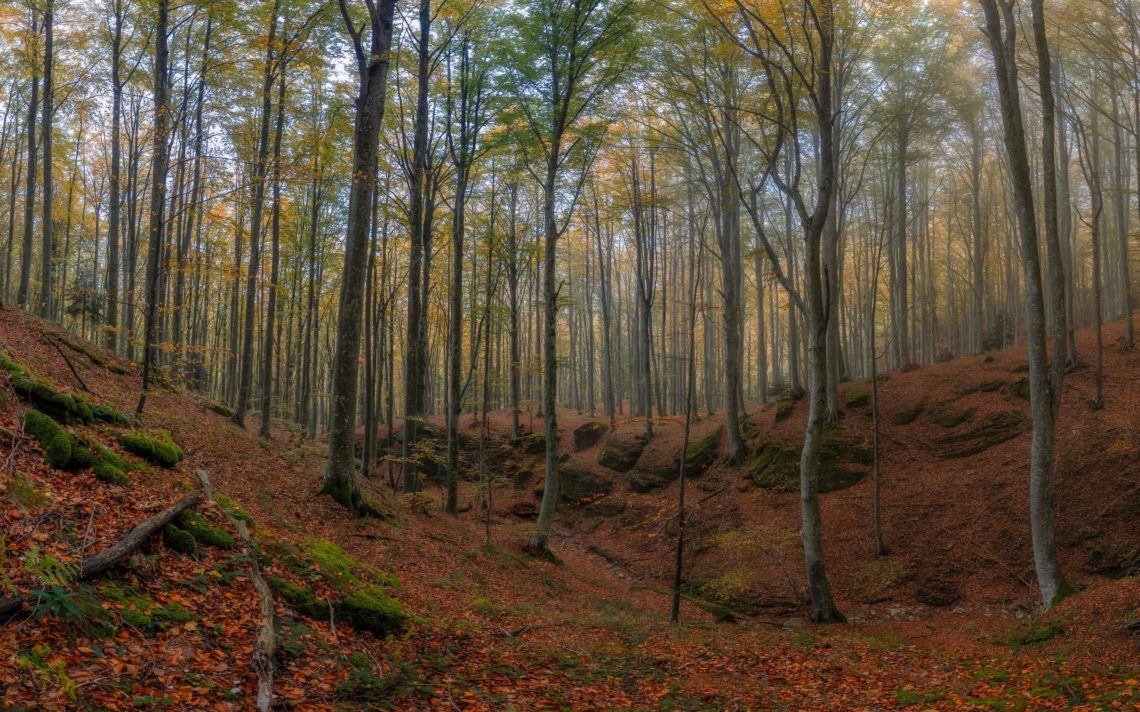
<point>425,614</point>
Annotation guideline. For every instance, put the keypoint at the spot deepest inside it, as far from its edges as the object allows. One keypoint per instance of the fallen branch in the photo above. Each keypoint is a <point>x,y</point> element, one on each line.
<point>127,545</point>
<point>115,553</point>
<point>262,660</point>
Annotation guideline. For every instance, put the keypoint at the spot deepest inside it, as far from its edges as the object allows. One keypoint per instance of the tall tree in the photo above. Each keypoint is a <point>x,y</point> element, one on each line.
<point>1001,32</point>
<point>372,62</point>
<point>561,56</point>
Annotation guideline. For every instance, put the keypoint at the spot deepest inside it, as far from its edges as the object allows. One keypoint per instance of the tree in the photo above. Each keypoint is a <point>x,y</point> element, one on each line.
<point>1001,31</point>
<point>372,62</point>
<point>158,169</point>
<point>561,56</point>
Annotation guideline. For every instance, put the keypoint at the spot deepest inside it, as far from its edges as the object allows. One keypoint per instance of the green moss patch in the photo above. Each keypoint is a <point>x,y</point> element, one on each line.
<point>909,415</point>
<point>784,408</point>
<point>9,365</point>
<point>205,533</point>
<point>107,414</point>
<point>57,443</point>
<point>231,508</point>
<point>373,610</point>
<point>857,399</point>
<point>178,539</point>
<point>67,407</point>
<point>1020,388</point>
<point>621,452</point>
<point>650,478</point>
<point>299,598</point>
<point>154,446</point>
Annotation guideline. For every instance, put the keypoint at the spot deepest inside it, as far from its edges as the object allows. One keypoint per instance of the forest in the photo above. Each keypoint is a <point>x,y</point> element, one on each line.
<point>569,354</point>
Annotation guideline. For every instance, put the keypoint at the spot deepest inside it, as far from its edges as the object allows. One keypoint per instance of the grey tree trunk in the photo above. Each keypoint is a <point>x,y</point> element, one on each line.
<point>47,252</point>
<point>372,68</point>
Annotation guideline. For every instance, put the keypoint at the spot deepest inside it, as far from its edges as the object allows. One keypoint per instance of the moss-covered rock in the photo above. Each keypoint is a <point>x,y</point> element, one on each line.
<point>111,474</point>
<point>856,400</point>
<point>372,610</point>
<point>205,533</point>
<point>107,414</point>
<point>702,452</point>
<point>67,407</point>
<point>1020,388</point>
<point>992,430</point>
<point>154,446</point>
<point>650,478</point>
<point>9,365</point>
<point>231,508</point>
<point>588,435</point>
<point>56,442</point>
<point>178,539</point>
<point>840,466</point>
<point>622,451</point>
<point>577,484</point>
<point>785,406</point>
<point>953,420</point>
<point>299,598</point>
<point>909,415</point>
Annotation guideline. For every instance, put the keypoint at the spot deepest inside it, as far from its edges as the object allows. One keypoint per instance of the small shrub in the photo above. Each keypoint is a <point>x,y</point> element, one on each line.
<point>203,532</point>
<point>155,446</point>
<point>373,610</point>
<point>178,539</point>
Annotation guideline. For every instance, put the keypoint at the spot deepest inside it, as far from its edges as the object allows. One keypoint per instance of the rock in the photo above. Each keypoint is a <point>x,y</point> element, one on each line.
<point>622,451</point>
<point>647,480</point>
<point>523,510</point>
<point>938,592</point>
<point>994,429</point>
<point>943,356</point>
<point>588,435</point>
<point>858,399</point>
<point>777,469</point>
<point>532,444</point>
<point>702,453</point>
<point>909,415</point>
<point>578,484</point>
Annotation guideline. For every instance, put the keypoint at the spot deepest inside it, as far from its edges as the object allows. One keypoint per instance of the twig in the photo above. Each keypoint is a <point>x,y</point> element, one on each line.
<point>67,359</point>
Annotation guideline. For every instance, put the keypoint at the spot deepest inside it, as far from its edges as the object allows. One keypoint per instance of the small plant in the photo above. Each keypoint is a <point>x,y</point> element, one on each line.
<point>155,446</point>
<point>25,493</point>
<point>47,569</point>
<point>50,674</point>
<point>78,609</point>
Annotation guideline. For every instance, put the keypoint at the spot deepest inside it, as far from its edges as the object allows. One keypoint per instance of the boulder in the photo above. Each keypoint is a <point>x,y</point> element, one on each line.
<point>588,435</point>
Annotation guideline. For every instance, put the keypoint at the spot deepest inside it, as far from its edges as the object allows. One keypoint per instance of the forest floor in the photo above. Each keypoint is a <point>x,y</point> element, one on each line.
<point>947,620</point>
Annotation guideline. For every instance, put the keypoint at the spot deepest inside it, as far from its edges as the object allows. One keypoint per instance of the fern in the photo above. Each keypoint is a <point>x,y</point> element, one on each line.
<point>48,570</point>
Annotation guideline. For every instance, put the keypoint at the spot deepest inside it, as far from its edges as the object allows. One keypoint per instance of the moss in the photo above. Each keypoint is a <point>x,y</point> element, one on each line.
<point>858,399</point>
<point>373,610</point>
<point>81,457</point>
<point>68,407</point>
<point>621,453</point>
<point>56,442</point>
<point>299,598</point>
<point>7,364</point>
<point>778,469</point>
<point>1031,635</point>
<point>991,386</point>
<point>651,478</point>
<point>109,473</point>
<point>220,410</point>
<point>587,435</point>
<point>155,446</point>
<point>107,414</point>
<point>231,508</point>
<point>953,420</point>
<point>205,533</point>
<point>909,415</point>
<point>178,539</point>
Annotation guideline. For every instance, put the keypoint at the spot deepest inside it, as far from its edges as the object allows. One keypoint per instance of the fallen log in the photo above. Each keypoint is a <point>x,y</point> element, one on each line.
<point>262,660</point>
<point>115,553</point>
